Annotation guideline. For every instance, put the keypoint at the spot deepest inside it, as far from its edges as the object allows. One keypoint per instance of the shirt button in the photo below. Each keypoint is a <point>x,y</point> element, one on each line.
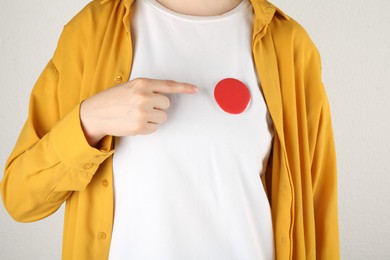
<point>102,236</point>
<point>88,166</point>
<point>118,79</point>
<point>105,183</point>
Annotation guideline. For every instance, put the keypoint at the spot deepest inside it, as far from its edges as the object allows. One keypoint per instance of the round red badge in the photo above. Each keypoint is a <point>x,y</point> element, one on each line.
<point>232,95</point>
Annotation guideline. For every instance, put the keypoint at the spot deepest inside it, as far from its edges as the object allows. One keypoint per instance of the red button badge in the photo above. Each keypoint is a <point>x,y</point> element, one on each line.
<point>232,95</point>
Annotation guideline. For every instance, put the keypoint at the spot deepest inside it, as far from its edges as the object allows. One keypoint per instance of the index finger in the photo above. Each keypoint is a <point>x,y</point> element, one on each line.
<point>170,86</point>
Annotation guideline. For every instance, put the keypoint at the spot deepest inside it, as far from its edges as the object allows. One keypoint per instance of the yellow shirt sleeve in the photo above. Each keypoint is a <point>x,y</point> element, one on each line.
<point>51,158</point>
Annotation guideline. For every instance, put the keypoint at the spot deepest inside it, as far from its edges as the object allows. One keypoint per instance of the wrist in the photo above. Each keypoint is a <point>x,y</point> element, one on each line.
<point>89,127</point>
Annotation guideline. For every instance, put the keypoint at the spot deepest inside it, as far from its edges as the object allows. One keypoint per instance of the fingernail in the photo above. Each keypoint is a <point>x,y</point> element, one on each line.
<point>195,88</point>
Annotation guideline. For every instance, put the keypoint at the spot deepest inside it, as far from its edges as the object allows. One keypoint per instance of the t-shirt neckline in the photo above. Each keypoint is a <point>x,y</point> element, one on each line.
<point>194,18</point>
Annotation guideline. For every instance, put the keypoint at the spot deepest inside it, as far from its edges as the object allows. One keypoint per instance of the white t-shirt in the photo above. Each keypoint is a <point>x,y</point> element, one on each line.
<point>192,189</point>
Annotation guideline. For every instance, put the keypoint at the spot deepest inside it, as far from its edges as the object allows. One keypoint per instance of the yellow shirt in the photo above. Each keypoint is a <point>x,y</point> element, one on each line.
<point>53,163</point>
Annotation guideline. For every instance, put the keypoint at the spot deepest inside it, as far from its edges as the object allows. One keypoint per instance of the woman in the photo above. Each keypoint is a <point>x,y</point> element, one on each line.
<point>193,177</point>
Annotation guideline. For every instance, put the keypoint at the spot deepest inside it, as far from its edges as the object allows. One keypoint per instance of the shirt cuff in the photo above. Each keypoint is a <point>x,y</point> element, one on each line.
<point>72,148</point>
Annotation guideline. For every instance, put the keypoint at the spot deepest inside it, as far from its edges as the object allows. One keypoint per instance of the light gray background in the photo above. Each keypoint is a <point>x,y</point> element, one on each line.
<point>353,38</point>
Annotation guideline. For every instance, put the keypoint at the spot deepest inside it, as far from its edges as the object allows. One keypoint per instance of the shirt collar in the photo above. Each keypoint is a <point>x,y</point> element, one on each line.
<point>265,11</point>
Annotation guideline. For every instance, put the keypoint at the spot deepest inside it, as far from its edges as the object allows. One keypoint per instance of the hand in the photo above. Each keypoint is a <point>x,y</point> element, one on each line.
<point>136,107</point>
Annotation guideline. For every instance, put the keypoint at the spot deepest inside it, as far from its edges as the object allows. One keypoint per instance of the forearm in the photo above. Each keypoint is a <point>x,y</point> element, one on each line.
<point>40,178</point>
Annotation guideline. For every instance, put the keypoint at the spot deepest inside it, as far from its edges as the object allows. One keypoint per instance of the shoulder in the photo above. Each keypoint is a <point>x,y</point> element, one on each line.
<point>289,31</point>
<point>94,13</point>
<point>298,59</point>
<point>291,41</point>
<point>86,27</point>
